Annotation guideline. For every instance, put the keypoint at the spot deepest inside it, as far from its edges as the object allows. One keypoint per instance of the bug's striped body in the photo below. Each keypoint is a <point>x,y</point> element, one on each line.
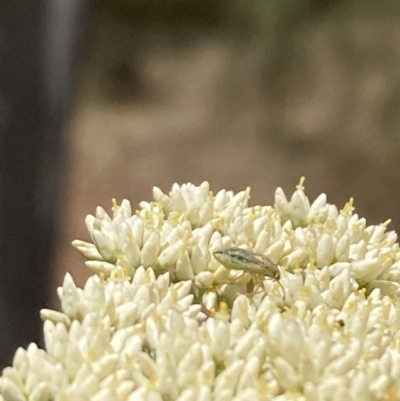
<point>247,261</point>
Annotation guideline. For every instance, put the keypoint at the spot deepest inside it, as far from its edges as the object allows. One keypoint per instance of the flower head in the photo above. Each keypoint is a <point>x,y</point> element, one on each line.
<point>162,319</point>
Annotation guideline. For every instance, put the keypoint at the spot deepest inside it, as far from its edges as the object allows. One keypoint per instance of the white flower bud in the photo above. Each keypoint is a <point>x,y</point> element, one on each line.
<point>316,206</point>
<point>150,250</point>
<point>262,241</point>
<point>204,279</point>
<point>105,245</point>
<point>275,251</point>
<point>89,251</point>
<point>98,267</point>
<point>170,255</point>
<point>10,391</point>
<point>299,207</point>
<point>342,248</point>
<point>281,203</point>
<point>184,270</point>
<point>325,251</point>
<point>126,208</point>
<point>227,379</point>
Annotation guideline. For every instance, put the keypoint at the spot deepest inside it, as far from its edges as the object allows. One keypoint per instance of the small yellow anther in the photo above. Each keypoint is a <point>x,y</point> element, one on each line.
<point>300,186</point>
<point>223,307</point>
<point>386,223</point>
<point>348,207</point>
<point>288,232</point>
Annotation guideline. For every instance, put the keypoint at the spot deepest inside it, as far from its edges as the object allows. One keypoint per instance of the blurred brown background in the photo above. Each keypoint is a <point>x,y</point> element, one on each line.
<point>239,93</point>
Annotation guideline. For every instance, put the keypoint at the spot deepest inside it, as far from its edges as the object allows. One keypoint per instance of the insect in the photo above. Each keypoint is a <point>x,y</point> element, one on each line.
<point>258,265</point>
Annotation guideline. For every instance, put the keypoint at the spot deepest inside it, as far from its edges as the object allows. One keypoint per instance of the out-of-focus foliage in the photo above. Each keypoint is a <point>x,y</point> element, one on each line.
<point>174,13</point>
<point>250,19</point>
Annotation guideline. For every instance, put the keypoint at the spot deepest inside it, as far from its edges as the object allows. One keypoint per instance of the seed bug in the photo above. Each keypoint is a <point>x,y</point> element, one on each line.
<point>259,266</point>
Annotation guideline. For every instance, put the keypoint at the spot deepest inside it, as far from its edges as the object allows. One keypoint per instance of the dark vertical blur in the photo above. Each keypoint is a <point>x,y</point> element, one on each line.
<point>38,41</point>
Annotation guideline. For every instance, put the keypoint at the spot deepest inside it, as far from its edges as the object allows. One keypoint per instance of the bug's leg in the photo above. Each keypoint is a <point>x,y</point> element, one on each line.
<point>258,283</point>
<point>277,279</point>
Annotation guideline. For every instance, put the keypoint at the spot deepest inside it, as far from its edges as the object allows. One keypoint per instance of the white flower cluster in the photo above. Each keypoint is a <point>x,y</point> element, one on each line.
<point>151,323</point>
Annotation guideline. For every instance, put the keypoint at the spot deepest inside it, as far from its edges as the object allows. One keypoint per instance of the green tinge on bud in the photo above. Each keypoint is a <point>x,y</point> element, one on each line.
<point>106,247</point>
<point>10,391</point>
<point>55,316</point>
<point>99,267</point>
<point>89,251</point>
<point>131,252</point>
